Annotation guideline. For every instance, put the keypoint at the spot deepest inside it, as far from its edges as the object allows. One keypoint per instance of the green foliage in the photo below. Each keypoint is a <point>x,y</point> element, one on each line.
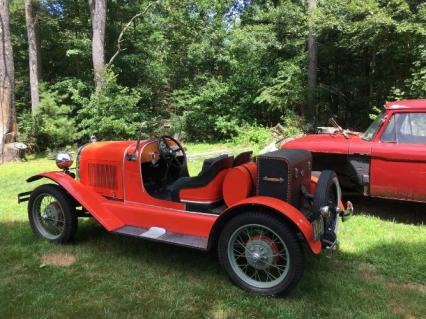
<point>375,111</point>
<point>258,136</point>
<point>416,84</point>
<point>204,112</point>
<point>287,89</point>
<point>252,134</point>
<point>111,113</point>
<point>211,67</point>
<point>292,124</point>
<point>52,126</point>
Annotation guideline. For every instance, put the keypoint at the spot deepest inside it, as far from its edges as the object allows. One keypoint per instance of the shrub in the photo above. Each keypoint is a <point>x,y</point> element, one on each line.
<point>252,134</point>
<point>257,136</point>
<point>204,111</point>
<point>51,127</point>
<point>110,113</point>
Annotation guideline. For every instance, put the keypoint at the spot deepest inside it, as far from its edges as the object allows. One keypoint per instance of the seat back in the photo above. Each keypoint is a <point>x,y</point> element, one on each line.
<point>207,186</point>
<point>213,164</point>
<point>242,158</point>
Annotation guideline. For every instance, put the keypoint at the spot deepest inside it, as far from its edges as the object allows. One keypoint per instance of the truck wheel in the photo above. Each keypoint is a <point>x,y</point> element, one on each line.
<point>328,191</point>
<point>260,254</point>
<point>51,214</point>
<point>328,194</point>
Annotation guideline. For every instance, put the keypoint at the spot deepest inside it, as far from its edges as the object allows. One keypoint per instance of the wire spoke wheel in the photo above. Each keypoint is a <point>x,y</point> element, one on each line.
<point>51,213</point>
<point>258,256</point>
<point>49,217</point>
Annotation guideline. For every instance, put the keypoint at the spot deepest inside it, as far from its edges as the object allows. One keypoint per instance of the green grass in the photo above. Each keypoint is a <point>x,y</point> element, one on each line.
<point>380,272</point>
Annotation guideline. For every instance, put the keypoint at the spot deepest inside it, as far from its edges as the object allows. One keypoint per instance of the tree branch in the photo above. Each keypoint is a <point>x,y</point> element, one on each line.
<point>120,37</point>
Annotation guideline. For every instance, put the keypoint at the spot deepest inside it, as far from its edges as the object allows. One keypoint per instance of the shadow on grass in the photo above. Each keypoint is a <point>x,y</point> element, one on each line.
<point>391,210</point>
<point>365,283</point>
<point>399,260</point>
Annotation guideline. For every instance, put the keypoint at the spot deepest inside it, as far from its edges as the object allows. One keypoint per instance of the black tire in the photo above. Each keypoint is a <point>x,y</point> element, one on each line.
<point>328,183</point>
<point>329,194</point>
<point>62,201</point>
<point>294,262</point>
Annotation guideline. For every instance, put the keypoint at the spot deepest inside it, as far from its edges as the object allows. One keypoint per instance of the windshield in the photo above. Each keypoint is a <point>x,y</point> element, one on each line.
<point>372,129</point>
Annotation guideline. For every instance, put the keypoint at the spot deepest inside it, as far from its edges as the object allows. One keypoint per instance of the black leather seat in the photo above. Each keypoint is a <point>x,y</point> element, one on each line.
<point>242,158</point>
<point>211,167</point>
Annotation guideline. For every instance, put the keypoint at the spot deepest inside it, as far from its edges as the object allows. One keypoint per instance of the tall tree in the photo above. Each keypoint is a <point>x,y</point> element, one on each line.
<point>8,129</point>
<point>312,66</point>
<point>98,18</point>
<point>34,52</point>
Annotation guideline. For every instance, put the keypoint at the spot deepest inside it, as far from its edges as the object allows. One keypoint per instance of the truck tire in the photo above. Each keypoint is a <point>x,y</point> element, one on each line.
<point>329,194</point>
<point>51,214</point>
<point>261,254</point>
<point>328,191</point>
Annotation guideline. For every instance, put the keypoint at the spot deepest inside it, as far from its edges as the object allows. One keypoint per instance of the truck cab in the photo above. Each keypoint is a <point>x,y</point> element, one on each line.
<point>388,160</point>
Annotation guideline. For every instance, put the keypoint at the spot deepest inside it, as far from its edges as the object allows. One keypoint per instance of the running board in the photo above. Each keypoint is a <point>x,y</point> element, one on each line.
<point>161,235</point>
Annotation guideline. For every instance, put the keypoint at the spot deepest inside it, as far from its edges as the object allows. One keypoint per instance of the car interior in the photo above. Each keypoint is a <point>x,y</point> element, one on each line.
<point>165,174</point>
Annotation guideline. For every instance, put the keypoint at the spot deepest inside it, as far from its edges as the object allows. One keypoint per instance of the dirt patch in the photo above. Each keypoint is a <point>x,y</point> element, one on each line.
<point>58,259</point>
<point>368,272</point>
<point>408,286</point>
<point>402,308</point>
<point>401,311</point>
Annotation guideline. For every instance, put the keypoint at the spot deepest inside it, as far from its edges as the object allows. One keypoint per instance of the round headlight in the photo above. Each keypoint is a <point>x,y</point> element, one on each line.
<point>63,160</point>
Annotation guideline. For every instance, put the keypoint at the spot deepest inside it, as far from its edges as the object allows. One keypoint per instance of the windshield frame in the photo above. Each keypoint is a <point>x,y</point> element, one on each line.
<point>374,127</point>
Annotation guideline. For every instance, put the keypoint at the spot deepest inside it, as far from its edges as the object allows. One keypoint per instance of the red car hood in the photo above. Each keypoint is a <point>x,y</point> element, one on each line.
<point>323,143</point>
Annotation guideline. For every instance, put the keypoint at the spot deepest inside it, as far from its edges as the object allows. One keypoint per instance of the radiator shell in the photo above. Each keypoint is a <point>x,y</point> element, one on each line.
<point>284,174</point>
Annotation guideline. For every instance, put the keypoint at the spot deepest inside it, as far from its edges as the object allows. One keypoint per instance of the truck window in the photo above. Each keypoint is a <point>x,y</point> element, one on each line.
<point>411,128</point>
<point>372,129</point>
<point>389,135</point>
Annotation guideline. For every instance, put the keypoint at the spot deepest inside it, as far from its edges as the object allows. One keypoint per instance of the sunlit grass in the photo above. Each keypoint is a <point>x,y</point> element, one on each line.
<point>380,271</point>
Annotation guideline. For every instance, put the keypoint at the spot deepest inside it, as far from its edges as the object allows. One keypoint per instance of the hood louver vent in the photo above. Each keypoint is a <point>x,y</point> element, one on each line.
<point>103,176</point>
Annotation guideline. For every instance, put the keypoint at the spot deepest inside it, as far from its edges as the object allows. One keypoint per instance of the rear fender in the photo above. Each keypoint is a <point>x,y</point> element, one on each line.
<point>90,200</point>
<point>279,208</point>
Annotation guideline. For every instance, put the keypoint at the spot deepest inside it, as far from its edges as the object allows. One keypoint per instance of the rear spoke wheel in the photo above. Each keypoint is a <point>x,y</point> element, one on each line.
<point>258,255</point>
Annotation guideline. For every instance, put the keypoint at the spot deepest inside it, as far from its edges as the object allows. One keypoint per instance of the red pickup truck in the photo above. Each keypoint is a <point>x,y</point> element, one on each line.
<point>388,160</point>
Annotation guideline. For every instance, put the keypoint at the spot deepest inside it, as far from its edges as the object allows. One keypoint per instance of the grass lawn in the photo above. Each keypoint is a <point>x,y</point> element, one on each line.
<point>380,271</point>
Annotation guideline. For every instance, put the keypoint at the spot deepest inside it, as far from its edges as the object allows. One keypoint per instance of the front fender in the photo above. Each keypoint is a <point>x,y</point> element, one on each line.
<point>284,209</point>
<point>90,200</point>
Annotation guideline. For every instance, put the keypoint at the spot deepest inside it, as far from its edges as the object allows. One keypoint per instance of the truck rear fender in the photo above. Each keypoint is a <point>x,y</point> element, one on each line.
<point>286,212</point>
<point>90,200</point>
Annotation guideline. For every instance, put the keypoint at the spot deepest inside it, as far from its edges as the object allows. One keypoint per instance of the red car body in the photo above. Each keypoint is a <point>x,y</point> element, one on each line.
<point>387,161</point>
<point>132,188</point>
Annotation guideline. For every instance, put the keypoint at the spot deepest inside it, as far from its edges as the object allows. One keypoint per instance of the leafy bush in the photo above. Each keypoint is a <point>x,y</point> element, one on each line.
<point>286,89</point>
<point>252,134</point>
<point>258,136</point>
<point>204,111</point>
<point>110,113</point>
<point>292,124</point>
<point>51,127</point>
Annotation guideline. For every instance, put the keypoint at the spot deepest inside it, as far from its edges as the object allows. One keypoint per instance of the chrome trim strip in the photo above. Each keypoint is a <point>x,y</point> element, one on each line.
<point>198,202</point>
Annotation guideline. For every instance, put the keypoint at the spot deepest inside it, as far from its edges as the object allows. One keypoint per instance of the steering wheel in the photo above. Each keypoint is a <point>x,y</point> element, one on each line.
<point>169,154</point>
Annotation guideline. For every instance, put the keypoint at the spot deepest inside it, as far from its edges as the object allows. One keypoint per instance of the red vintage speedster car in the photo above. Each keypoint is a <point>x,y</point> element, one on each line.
<point>388,160</point>
<point>257,215</point>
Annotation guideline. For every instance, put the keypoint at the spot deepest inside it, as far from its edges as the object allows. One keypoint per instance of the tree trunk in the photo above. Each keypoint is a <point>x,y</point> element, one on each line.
<point>98,17</point>
<point>34,52</point>
<point>310,113</point>
<point>8,128</point>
